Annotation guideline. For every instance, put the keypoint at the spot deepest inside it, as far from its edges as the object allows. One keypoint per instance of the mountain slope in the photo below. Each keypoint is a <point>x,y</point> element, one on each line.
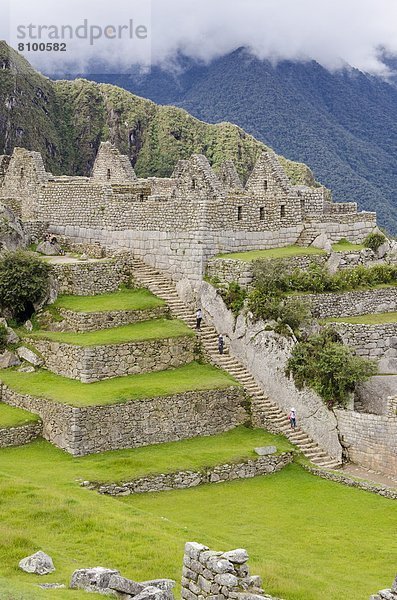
<point>67,120</point>
<point>343,125</point>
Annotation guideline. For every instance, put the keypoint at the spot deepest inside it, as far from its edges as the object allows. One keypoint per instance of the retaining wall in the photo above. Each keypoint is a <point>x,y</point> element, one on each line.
<point>93,321</point>
<point>18,436</point>
<point>371,341</point>
<point>371,440</point>
<point>115,360</point>
<point>93,429</point>
<point>90,278</point>
<point>265,465</point>
<point>349,304</point>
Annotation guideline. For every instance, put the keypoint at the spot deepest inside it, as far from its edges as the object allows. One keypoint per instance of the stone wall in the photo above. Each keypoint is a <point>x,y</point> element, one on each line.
<point>207,575</point>
<point>349,304</point>
<point>90,364</point>
<point>371,341</point>
<point>92,321</point>
<point>82,431</point>
<point>90,278</point>
<point>18,436</point>
<point>265,465</point>
<point>371,440</point>
<point>265,354</point>
<point>58,420</point>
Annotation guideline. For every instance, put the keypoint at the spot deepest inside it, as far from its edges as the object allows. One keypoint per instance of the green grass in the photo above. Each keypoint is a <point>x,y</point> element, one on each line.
<point>137,332</point>
<point>347,247</point>
<point>124,299</point>
<point>299,530</point>
<point>286,252</point>
<point>14,417</point>
<point>44,384</point>
<point>371,319</point>
<point>195,454</point>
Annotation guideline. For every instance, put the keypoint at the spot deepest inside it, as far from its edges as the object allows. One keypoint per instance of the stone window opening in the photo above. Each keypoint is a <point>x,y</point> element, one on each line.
<point>142,197</point>
<point>282,211</point>
<point>22,172</point>
<point>239,213</point>
<point>262,213</point>
<point>303,205</point>
<point>265,185</point>
<point>194,184</point>
<point>108,174</point>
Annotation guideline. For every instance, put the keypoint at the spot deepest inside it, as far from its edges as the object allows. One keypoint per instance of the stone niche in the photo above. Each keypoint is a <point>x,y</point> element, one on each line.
<point>115,360</point>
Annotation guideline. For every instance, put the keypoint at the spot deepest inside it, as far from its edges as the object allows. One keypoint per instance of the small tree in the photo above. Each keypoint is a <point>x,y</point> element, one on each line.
<point>24,281</point>
<point>328,367</point>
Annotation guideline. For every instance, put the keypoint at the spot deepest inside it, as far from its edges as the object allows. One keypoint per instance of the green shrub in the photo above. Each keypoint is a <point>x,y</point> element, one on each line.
<point>374,241</point>
<point>288,312</point>
<point>325,365</point>
<point>234,297</point>
<point>270,276</point>
<point>24,281</point>
<point>3,338</point>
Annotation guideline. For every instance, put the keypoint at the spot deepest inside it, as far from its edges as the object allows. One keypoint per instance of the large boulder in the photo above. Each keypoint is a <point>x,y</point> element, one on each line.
<point>9,359</point>
<point>125,586</point>
<point>12,235</point>
<point>30,356</point>
<point>49,248</point>
<point>38,563</point>
<point>96,579</point>
<point>322,242</point>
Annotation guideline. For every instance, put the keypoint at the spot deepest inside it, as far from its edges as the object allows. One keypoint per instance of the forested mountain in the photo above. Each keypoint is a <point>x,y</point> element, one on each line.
<point>342,124</point>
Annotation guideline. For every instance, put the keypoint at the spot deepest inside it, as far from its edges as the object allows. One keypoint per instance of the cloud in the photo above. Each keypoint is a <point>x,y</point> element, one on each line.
<point>332,32</point>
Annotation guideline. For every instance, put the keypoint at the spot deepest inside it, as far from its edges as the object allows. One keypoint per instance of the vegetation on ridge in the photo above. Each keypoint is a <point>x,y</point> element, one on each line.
<point>67,120</point>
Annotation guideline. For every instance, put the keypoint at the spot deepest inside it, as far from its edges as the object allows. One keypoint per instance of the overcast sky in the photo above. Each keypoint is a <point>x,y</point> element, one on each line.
<point>333,32</point>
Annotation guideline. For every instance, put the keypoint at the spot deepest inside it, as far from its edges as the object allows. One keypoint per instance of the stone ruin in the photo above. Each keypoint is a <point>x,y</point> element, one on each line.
<point>176,224</point>
<point>388,594</point>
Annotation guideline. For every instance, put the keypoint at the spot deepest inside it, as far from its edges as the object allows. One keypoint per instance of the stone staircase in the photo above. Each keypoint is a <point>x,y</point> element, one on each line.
<point>265,413</point>
<point>307,236</point>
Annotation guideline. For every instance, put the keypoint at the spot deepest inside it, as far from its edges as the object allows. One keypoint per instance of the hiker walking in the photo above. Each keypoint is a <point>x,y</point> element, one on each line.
<point>292,418</point>
<point>199,318</point>
<point>221,344</point>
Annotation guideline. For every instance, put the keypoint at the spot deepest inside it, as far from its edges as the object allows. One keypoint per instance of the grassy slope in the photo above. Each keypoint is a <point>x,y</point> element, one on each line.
<point>119,389</point>
<point>375,319</point>
<point>124,299</point>
<point>285,252</point>
<point>290,523</point>
<point>144,330</point>
<point>14,417</point>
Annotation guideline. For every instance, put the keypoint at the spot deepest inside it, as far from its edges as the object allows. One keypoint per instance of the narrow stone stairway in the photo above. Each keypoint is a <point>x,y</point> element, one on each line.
<point>307,236</point>
<point>265,413</point>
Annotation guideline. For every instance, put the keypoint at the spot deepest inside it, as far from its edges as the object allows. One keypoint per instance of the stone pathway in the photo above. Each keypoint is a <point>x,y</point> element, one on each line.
<point>265,413</point>
<point>369,475</point>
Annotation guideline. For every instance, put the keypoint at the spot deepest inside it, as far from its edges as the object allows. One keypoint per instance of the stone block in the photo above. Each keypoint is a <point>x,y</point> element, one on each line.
<point>95,579</point>
<point>125,586</point>
<point>238,556</point>
<point>38,563</point>
<point>265,451</point>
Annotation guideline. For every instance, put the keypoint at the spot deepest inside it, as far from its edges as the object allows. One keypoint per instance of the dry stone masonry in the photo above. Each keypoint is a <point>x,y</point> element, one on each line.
<point>176,224</point>
<point>208,575</point>
<point>19,436</point>
<point>188,479</point>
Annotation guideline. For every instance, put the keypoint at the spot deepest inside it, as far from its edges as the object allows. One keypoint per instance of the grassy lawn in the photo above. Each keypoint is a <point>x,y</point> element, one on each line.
<point>347,247</point>
<point>45,384</point>
<point>376,319</point>
<point>155,329</point>
<point>339,543</point>
<point>124,299</point>
<point>196,454</point>
<point>14,417</point>
<point>286,252</point>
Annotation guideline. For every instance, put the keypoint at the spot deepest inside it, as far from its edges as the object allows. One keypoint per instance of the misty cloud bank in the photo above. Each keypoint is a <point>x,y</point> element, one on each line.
<point>332,32</point>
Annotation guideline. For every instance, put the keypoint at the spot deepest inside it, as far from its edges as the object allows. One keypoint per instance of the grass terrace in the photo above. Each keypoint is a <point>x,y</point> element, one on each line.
<point>371,319</point>
<point>44,384</point>
<point>155,329</point>
<point>15,417</point>
<point>124,299</point>
<point>285,252</point>
<point>286,521</point>
<point>345,246</point>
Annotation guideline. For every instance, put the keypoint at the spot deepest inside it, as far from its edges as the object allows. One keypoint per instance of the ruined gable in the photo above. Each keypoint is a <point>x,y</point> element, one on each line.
<point>112,166</point>
<point>229,177</point>
<point>195,179</point>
